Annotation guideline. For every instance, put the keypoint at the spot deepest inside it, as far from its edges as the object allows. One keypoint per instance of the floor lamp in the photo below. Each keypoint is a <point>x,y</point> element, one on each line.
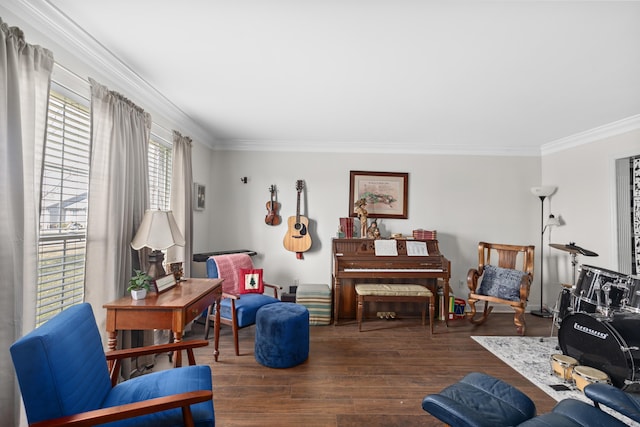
<point>543,192</point>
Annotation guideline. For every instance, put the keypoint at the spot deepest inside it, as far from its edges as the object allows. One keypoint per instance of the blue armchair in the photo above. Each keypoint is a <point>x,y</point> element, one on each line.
<point>65,380</point>
<point>236,309</point>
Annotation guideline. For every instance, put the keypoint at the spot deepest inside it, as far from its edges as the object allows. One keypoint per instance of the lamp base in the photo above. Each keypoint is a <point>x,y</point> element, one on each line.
<point>544,312</point>
<point>156,270</point>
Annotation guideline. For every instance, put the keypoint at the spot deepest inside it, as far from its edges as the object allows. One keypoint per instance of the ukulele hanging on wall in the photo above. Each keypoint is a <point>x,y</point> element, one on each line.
<point>297,238</point>
<point>272,217</point>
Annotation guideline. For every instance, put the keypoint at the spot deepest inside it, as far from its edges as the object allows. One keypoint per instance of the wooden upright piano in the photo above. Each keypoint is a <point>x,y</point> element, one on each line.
<point>355,261</point>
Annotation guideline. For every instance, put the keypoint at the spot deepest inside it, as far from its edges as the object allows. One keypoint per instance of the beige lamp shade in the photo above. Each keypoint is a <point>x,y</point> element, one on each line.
<point>158,231</point>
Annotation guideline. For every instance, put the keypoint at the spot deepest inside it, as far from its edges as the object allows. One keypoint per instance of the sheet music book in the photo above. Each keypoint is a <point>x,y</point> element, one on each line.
<point>386,247</point>
<point>417,248</point>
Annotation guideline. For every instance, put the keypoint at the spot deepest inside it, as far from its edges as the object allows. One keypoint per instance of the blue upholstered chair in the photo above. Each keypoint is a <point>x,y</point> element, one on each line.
<point>480,400</point>
<point>63,375</point>
<point>237,309</point>
<point>504,275</point>
<point>627,404</point>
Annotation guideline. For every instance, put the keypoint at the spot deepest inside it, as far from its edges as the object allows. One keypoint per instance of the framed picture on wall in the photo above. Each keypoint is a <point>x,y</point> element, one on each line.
<point>385,193</point>
<point>198,196</point>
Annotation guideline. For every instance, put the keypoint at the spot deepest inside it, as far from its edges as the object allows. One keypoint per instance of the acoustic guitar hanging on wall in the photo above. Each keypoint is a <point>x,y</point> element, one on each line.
<point>297,238</point>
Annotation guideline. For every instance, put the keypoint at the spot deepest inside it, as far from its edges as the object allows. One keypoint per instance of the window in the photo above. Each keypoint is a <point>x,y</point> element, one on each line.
<point>64,203</point>
<point>63,212</point>
<point>159,174</point>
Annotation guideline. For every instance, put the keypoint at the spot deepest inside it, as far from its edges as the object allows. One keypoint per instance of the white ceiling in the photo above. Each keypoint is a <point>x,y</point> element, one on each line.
<point>412,75</point>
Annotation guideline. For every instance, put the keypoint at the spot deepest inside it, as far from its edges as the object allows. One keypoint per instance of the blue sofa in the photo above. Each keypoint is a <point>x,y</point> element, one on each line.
<point>480,400</point>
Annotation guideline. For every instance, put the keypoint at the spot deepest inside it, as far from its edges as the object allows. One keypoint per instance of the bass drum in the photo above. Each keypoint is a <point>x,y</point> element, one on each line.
<point>607,344</point>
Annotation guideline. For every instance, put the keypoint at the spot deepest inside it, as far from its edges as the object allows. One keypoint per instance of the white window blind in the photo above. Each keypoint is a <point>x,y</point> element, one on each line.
<point>159,174</point>
<point>63,215</point>
<point>64,204</point>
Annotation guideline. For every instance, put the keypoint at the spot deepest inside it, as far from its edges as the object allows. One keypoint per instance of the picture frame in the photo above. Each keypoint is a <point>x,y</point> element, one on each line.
<point>386,193</point>
<point>198,197</point>
<point>165,283</point>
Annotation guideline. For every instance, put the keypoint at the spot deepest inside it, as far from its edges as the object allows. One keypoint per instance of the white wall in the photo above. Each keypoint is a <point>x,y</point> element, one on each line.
<point>585,201</point>
<point>465,198</point>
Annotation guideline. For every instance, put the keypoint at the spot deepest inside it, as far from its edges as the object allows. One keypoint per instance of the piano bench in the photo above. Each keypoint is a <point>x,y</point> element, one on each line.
<point>380,292</point>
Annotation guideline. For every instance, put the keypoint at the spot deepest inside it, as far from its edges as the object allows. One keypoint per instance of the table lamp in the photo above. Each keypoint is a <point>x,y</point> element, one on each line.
<point>158,231</point>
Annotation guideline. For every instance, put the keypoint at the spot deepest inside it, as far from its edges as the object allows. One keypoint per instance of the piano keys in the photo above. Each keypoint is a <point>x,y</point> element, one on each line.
<point>355,261</point>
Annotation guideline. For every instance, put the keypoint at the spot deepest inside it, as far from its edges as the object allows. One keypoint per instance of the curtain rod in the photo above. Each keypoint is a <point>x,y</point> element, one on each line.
<point>85,97</point>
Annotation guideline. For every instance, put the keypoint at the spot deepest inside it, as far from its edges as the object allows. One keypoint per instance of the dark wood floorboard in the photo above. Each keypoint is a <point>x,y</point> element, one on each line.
<point>376,377</point>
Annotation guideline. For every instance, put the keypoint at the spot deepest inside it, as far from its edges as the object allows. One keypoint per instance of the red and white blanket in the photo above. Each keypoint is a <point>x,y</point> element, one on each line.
<point>228,269</point>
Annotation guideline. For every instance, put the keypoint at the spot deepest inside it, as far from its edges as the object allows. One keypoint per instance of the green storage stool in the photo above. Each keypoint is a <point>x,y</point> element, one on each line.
<point>317,299</point>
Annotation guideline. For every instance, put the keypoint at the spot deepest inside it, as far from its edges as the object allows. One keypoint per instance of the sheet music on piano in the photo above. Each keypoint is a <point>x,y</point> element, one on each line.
<point>386,247</point>
<point>415,248</point>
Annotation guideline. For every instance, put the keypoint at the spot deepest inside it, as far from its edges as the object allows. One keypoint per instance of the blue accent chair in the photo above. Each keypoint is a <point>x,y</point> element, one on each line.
<point>628,404</point>
<point>236,310</point>
<point>64,377</point>
<point>480,400</point>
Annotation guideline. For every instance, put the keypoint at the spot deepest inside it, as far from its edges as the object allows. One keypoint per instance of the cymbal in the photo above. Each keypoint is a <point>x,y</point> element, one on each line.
<point>573,249</point>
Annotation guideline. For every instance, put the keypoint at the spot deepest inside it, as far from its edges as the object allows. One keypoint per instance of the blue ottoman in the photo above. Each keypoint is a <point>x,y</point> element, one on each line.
<point>282,335</point>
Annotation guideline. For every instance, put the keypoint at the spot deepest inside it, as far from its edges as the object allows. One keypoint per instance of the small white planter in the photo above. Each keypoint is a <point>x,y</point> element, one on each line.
<point>139,294</point>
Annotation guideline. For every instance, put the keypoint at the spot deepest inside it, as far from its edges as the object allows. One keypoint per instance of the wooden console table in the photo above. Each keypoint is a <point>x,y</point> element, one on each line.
<point>172,309</point>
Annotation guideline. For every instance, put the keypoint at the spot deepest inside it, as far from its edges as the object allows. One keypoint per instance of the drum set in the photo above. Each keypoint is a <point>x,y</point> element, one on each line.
<point>598,321</point>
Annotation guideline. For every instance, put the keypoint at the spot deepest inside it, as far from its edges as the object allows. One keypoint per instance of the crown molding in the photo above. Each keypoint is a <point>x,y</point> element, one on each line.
<point>606,131</point>
<point>101,64</point>
<point>388,147</point>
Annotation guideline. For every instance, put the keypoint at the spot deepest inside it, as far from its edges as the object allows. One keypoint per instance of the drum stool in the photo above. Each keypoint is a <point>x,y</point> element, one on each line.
<point>282,335</point>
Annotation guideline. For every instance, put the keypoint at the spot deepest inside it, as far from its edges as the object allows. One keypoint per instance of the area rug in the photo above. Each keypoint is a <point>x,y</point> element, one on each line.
<point>530,357</point>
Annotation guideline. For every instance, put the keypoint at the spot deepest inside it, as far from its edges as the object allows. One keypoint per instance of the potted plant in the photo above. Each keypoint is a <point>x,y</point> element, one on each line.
<point>139,284</point>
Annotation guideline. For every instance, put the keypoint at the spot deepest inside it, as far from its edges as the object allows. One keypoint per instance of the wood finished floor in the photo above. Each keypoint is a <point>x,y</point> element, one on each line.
<point>376,377</point>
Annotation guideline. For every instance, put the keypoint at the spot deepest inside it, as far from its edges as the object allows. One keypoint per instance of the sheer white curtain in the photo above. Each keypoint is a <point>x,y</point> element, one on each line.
<point>181,199</point>
<point>118,194</point>
<point>25,79</point>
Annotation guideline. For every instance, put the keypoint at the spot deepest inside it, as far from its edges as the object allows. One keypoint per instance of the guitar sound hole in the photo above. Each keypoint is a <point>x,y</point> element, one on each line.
<point>301,229</point>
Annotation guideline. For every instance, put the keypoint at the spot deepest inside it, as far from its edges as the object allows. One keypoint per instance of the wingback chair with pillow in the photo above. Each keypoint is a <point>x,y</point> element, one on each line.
<point>64,379</point>
<point>504,275</point>
<point>242,292</point>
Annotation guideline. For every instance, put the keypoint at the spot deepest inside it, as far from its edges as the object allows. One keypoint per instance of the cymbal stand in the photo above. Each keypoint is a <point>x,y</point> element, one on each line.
<point>574,262</point>
<point>555,323</point>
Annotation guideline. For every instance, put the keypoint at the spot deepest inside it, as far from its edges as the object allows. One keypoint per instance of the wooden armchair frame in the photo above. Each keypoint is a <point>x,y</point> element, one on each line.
<point>508,256</point>
<point>121,412</point>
